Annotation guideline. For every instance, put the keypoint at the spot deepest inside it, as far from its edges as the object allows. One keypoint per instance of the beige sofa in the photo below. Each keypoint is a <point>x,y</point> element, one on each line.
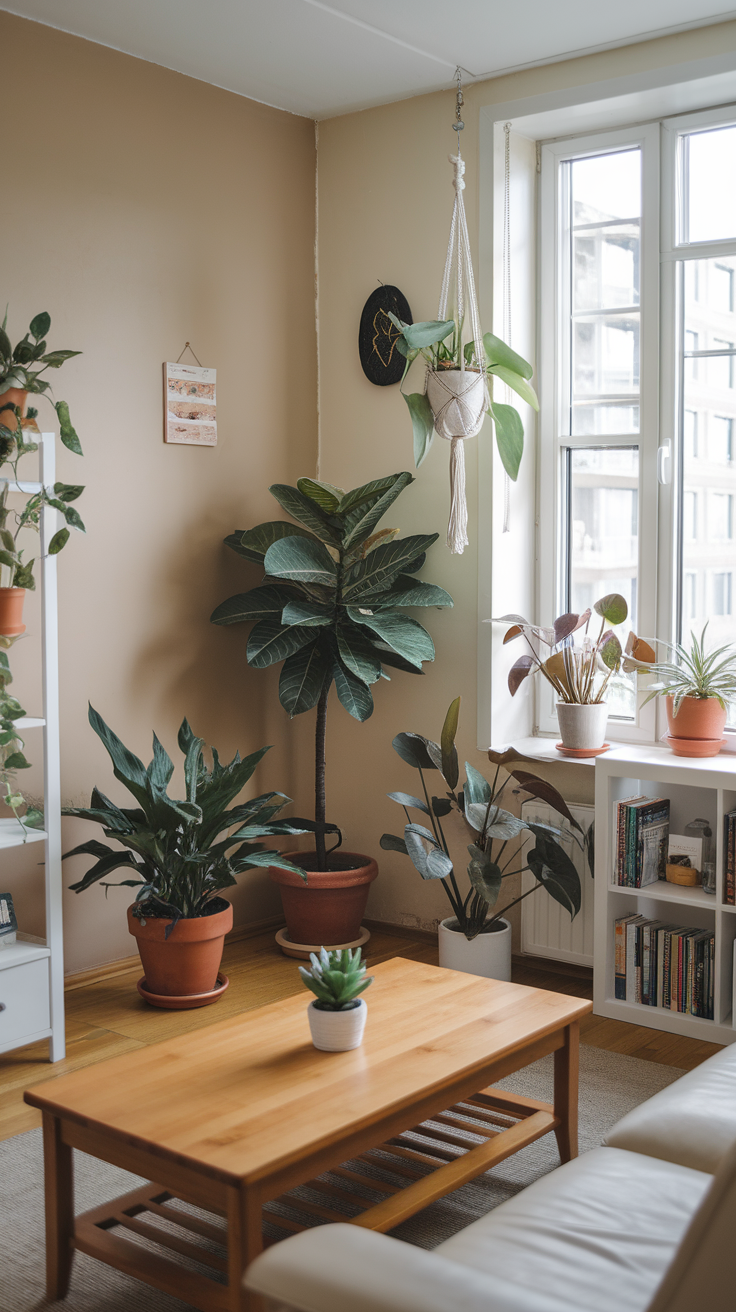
<point>646,1223</point>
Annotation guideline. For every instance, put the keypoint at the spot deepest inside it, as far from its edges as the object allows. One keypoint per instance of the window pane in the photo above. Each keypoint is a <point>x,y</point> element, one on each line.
<point>603,536</point>
<point>690,433</point>
<point>614,417</point>
<point>606,355</point>
<point>606,187</point>
<point>606,267</point>
<point>711,184</point>
<point>720,440</point>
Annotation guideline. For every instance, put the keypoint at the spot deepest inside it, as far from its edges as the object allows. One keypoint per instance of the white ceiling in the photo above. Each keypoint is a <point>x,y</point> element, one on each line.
<point>320,59</point>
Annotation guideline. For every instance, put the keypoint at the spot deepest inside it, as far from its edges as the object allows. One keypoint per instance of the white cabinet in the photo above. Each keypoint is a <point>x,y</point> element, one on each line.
<point>696,788</point>
<point>31,974</point>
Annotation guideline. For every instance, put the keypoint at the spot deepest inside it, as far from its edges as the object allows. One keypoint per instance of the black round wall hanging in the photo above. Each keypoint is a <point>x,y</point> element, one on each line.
<point>382,363</point>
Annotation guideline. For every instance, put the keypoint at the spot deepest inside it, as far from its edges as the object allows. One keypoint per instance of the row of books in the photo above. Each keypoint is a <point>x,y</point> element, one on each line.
<point>661,965</point>
<point>729,848</point>
<point>642,837</point>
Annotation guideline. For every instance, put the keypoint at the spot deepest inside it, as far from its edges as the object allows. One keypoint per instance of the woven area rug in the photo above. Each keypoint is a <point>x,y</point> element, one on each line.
<point>610,1085</point>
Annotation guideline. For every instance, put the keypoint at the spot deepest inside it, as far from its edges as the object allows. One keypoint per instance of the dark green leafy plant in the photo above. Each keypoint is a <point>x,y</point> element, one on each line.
<point>336,978</point>
<point>491,826</point>
<point>331,605</point>
<point>439,343</point>
<point>21,367</point>
<point>12,757</point>
<point>14,571</point>
<point>175,850</point>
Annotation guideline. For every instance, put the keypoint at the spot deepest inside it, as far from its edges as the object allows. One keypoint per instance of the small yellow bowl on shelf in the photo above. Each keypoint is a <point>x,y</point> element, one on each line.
<point>686,875</point>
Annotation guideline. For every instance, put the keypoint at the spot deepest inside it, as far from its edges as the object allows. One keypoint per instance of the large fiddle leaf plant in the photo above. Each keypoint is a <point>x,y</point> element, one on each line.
<point>179,854</point>
<point>331,604</point>
<point>493,830</point>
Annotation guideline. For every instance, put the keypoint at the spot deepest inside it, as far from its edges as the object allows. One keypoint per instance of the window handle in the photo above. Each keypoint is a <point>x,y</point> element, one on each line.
<point>664,469</point>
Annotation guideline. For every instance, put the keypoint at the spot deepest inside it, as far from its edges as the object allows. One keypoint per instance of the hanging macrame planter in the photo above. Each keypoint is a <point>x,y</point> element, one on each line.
<point>456,395</point>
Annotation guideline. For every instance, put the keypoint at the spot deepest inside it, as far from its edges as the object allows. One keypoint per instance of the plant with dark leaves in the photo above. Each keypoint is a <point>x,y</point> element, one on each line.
<point>336,978</point>
<point>491,827</point>
<point>21,367</point>
<point>180,854</point>
<point>579,674</point>
<point>331,605</point>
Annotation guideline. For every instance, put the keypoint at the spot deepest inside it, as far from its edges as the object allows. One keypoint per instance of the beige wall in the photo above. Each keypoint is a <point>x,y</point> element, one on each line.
<point>385,200</point>
<point>149,209</point>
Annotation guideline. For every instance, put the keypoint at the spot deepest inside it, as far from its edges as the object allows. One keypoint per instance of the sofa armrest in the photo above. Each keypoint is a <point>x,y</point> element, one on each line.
<point>332,1267</point>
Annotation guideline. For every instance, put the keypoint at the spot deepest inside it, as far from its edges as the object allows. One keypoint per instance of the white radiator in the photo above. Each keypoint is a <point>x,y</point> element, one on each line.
<point>546,928</point>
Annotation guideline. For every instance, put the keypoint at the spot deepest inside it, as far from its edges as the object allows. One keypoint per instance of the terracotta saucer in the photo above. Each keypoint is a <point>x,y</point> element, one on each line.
<point>184,1002</point>
<point>303,950</point>
<point>582,753</point>
<point>694,746</point>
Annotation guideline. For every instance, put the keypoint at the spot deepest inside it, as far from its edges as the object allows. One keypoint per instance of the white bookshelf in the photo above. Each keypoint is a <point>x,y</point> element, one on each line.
<point>695,787</point>
<point>32,973</point>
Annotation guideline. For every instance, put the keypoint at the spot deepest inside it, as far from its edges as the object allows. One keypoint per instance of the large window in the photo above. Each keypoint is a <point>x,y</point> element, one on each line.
<point>638,340</point>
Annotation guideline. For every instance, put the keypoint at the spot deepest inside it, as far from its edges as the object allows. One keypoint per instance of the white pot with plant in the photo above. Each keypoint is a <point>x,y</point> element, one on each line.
<point>477,937</point>
<point>579,673</point>
<point>337,1016</point>
<point>698,687</point>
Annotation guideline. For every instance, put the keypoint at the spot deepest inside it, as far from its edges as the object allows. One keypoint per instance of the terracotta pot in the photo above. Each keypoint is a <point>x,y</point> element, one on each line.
<point>11,611</point>
<point>327,909</point>
<point>189,960</point>
<point>13,396</point>
<point>697,717</point>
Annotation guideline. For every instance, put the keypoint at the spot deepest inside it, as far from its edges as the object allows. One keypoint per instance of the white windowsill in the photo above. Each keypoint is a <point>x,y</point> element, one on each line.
<point>544,749</point>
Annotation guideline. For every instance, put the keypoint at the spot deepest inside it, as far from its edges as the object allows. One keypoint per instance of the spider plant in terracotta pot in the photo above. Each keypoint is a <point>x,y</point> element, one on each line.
<point>579,672</point>
<point>698,687</point>
<point>332,607</point>
<point>180,855</point>
<point>477,937</point>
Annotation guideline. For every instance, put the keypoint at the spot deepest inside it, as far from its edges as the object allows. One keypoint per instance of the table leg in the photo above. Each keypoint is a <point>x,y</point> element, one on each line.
<point>244,1243</point>
<point>566,1092</point>
<point>59,1190</point>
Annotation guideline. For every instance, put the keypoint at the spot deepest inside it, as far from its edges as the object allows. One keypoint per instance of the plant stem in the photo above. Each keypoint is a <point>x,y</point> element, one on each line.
<point>320,800</point>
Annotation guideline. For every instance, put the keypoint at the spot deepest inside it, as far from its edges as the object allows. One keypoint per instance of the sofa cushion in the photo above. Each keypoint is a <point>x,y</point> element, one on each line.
<point>691,1122</point>
<point>599,1231</point>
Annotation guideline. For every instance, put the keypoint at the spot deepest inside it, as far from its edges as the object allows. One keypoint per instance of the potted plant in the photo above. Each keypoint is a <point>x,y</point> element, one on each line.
<point>337,1016</point>
<point>21,367</point>
<point>12,757</point>
<point>579,674</point>
<point>180,856</point>
<point>698,686</point>
<point>471,939</point>
<point>456,400</point>
<point>16,575</point>
<point>331,607</point>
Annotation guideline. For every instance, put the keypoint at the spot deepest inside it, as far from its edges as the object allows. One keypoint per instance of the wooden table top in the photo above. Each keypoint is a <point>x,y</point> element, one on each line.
<point>246,1095</point>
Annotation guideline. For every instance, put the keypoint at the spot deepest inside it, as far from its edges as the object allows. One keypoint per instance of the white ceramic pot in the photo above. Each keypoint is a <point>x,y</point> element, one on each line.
<point>458,400</point>
<point>582,727</point>
<point>486,954</point>
<point>337,1031</point>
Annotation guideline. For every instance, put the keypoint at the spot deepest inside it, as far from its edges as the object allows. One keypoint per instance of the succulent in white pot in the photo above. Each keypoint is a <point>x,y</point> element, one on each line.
<point>337,1015</point>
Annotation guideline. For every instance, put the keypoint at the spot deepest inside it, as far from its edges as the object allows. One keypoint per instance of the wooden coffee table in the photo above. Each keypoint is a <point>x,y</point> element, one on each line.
<point>232,1117</point>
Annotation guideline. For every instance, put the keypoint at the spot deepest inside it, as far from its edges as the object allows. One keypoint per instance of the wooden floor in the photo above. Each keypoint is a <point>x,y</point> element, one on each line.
<point>107,1017</point>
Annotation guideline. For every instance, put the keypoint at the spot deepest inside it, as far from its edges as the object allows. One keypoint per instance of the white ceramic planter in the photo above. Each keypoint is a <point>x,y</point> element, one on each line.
<point>582,728</point>
<point>487,954</point>
<point>337,1031</point>
<point>458,399</point>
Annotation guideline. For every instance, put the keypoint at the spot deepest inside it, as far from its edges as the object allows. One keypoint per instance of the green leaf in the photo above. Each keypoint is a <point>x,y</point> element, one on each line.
<point>420,594</point>
<point>326,496</point>
<point>546,792</point>
<point>509,437</point>
<point>477,789</point>
<point>422,421</point>
<point>387,656</point>
<point>367,522</point>
<point>271,641</point>
<point>358,653</point>
<point>497,352</point>
<point>258,604</point>
<point>302,560</point>
<point>254,543</point>
<point>72,517</point>
<point>8,558</point>
<point>551,865</point>
<point>6,349</point>
<point>58,541</point>
<point>381,566</point>
<point>304,509</point>
<point>610,651</point>
<point>450,771</point>
<point>406,799</point>
<point>405,635</point>
<point>16,761</point>
<point>23,576</point>
<point>302,679</point>
<point>161,767</point>
<point>517,384</point>
<point>353,693</point>
<point>612,608</point>
<point>40,325</point>
<point>391,843</point>
<point>427,333</point>
<point>484,874</point>
<point>68,491</point>
<point>308,612</point>
<point>367,492</point>
<point>66,431</point>
<point>439,865</point>
<point>412,748</point>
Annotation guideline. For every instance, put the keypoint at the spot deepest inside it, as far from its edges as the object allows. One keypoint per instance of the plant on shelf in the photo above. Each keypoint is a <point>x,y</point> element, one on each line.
<point>21,367</point>
<point>698,686</point>
<point>580,674</point>
<point>14,571</point>
<point>491,828</point>
<point>337,1014</point>
<point>12,757</point>
<point>439,344</point>
<point>180,855</point>
<point>332,607</point>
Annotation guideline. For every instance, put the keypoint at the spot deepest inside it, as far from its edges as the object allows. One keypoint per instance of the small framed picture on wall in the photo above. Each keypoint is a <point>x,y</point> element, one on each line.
<point>190,405</point>
<point>8,922</point>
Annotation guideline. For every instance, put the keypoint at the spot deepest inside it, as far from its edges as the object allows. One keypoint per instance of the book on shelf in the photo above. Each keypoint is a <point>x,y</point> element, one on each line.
<point>664,965</point>
<point>642,826</point>
<point>729,858</point>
